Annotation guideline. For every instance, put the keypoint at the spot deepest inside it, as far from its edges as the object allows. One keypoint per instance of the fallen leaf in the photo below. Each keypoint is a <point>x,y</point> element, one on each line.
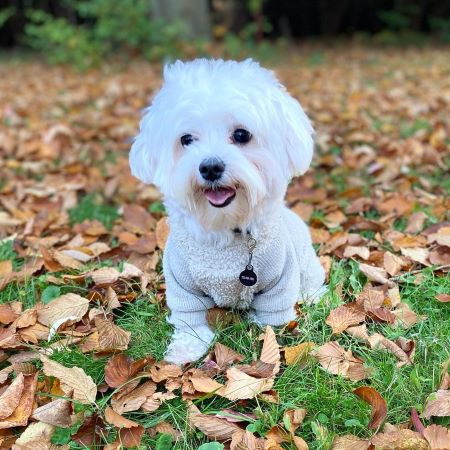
<point>131,437</point>
<point>376,274</point>
<point>362,252</point>
<point>241,386</point>
<point>23,410</point>
<point>377,403</point>
<point>298,354</point>
<point>35,437</point>
<point>206,385</point>
<point>406,316</point>
<point>72,379</point>
<point>7,314</point>
<point>211,426</point>
<point>443,298</point>
<point>399,439</point>
<point>350,442</point>
<point>417,254</point>
<point>245,440</point>
<point>117,420</point>
<point>162,232</point>
<point>55,413</point>
<point>343,317</point>
<point>392,263</point>
<point>438,404</point>
<point>133,400</point>
<point>110,336</point>
<point>10,398</point>
<point>120,368</point>
<point>437,436</point>
<point>270,353</point>
<point>68,306</point>
<point>225,356</point>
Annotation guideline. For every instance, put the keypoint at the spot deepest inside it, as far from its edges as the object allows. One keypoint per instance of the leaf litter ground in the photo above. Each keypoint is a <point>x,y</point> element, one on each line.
<point>82,313</point>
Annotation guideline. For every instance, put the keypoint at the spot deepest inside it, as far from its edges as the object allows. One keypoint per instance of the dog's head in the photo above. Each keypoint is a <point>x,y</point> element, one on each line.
<point>221,140</point>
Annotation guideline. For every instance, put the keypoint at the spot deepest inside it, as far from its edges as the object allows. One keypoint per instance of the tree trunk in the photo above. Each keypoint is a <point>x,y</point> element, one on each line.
<point>194,14</point>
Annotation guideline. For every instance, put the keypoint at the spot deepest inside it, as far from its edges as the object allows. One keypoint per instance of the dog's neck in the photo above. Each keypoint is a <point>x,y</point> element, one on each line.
<point>223,237</point>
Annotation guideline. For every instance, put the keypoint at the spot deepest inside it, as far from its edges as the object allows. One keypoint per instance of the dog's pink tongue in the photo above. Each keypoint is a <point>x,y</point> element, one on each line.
<point>219,196</point>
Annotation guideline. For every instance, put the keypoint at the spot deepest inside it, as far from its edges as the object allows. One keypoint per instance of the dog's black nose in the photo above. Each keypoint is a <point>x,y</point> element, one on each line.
<point>211,169</point>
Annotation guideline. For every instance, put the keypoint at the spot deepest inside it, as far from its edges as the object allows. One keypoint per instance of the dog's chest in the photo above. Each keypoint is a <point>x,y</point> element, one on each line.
<point>216,270</point>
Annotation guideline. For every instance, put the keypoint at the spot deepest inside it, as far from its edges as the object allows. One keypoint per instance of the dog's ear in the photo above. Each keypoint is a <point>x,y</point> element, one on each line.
<point>146,149</point>
<point>297,133</point>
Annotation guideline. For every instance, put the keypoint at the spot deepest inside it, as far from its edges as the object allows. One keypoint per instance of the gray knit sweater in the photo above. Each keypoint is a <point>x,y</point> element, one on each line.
<point>200,276</point>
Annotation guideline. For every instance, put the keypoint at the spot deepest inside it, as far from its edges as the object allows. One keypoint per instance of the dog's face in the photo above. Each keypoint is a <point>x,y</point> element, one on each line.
<point>221,140</point>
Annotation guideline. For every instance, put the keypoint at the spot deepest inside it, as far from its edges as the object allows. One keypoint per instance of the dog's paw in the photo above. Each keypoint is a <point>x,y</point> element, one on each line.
<point>313,297</point>
<point>189,344</point>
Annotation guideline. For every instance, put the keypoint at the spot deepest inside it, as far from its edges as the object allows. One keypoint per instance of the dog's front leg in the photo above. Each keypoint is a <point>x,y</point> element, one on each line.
<point>192,336</point>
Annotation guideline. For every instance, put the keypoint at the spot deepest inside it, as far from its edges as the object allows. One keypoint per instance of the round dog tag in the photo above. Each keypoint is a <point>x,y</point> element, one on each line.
<point>248,277</point>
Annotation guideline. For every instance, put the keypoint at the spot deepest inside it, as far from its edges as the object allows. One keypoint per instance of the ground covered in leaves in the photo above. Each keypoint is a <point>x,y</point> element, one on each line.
<point>82,312</point>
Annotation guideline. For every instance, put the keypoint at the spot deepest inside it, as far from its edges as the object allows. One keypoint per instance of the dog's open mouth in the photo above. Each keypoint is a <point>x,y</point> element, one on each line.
<point>220,197</point>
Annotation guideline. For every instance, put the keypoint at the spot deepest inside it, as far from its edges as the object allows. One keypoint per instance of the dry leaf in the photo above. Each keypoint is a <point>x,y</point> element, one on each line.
<point>7,314</point>
<point>131,437</point>
<point>375,274</point>
<point>343,317</point>
<point>241,386</point>
<point>377,403</point>
<point>133,400</point>
<point>110,336</point>
<point>419,255</point>
<point>68,306</point>
<point>437,436</point>
<point>72,379</point>
<point>35,437</point>
<point>225,356</point>
<point>244,440</point>
<point>438,404</point>
<point>206,385</point>
<point>162,232</point>
<point>399,440</point>
<point>10,398</point>
<point>117,420</point>
<point>55,413</point>
<point>392,263</point>
<point>298,354</point>
<point>362,252</point>
<point>299,443</point>
<point>350,442</point>
<point>443,298</point>
<point>406,316</point>
<point>270,352</point>
<point>120,368</point>
<point>23,410</point>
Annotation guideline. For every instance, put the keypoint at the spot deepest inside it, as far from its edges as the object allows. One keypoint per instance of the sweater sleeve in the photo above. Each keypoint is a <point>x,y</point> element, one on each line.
<point>187,303</point>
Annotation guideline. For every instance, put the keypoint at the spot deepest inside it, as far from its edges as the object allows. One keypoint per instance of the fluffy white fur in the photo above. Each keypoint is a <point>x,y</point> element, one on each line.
<point>209,99</point>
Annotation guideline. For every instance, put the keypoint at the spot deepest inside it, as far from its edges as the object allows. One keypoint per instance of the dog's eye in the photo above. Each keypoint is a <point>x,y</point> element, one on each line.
<point>241,136</point>
<point>186,139</point>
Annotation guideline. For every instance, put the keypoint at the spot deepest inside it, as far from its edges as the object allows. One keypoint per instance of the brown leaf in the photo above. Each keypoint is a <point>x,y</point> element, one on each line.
<point>110,336</point>
<point>438,404</point>
<point>35,437</point>
<point>225,356</point>
<point>338,361</point>
<point>343,317</point>
<point>295,418</point>
<point>241,386</point>
<point>213,427</point>
<point>299,443</point>
<point>377,403</point>
<point>258,369</point>
<point>244,440</point>
<point>137,219</point>
<point>206,384</point>
<point>270,352</point>
<point>163,370</point>
<point>10,398</point>
<point>437,436</point>
<point>381,315</point>
<point>55,413</point>
<point>416,222</point>
<point>443,298</point>
<point>392,263</point>
<point>133,400</point>
<point>379,341</point>
<point>68,306</point>
<point>117,420</point>
<point>417,254</point>
<point>406,316</point>
<point>218,318</point>
<point>72,379</point>
<point>131,437</point>
<point>7,314</point>
<point>399,439</point>
<point>350,442</point>
<point>23,410</point>
<point>298,354</point>
<point>162,232</point>
<point>351,251</point>
<point>359,332</point>
<point>120,368</point>
<point>6,268</point>
<point>375,274</point>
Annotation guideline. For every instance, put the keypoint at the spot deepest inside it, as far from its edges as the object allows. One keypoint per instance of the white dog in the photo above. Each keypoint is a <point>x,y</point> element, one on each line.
<point>221,141</point>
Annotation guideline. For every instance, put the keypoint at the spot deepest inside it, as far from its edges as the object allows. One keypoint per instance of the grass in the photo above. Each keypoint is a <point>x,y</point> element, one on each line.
<point>331,405</point>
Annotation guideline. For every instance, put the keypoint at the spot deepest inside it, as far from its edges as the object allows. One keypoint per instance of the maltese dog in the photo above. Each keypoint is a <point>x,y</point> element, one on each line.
<point>221,141</point>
